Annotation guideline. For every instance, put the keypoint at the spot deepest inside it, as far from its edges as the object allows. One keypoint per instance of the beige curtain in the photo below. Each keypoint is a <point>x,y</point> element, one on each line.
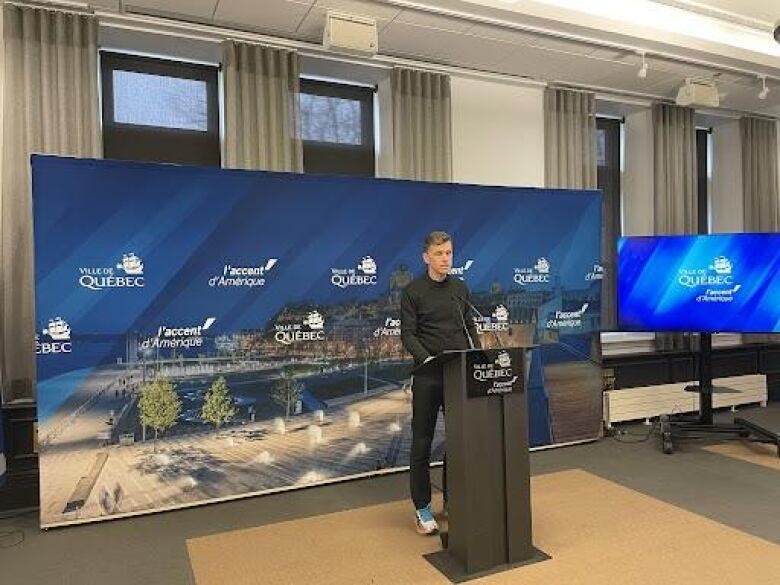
<point>50,106</point>
<point>759,175</point>
<point>569,139</point>
<point>422,125</point>
<point>262,108</point>
<point>760,185</point>
<point>675,179</point>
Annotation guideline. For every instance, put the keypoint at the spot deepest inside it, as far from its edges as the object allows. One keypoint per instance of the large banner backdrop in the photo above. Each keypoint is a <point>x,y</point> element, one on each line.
<point>206,334</point>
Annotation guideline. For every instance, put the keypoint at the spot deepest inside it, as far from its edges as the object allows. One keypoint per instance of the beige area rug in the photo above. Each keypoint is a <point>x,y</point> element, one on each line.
<point>596,531</point>
<point>758,453</point>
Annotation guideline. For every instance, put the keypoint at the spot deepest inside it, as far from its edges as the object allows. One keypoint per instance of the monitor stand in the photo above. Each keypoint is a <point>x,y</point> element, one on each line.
<point>702,426</point>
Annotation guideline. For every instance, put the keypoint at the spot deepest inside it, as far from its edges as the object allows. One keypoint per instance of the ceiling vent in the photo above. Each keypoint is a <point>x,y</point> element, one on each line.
<point>698,93</point>
<point>351,34</point>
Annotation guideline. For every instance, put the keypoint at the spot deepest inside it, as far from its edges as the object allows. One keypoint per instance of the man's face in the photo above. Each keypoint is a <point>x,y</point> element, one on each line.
<point>438,257</point>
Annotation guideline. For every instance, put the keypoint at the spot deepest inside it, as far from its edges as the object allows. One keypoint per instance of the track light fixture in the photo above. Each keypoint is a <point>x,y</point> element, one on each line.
<point>764,89</point>
<point>642,73</point>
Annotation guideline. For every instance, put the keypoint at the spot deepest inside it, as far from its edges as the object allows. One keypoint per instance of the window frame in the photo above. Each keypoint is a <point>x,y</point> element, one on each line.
<point>155,143</point>
<point>323,157</point>
<point>609,181</point>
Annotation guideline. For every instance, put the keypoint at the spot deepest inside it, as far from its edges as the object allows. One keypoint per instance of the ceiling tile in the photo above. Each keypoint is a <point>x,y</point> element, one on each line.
<point>200,9</point>
<point>280,16</point>
<point>360,8</point>
<point>426,19</point>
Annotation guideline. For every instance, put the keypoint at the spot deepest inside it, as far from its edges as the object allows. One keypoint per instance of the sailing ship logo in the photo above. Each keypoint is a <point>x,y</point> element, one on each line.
<point>131,264</point>
<point>367,265</point>
<point>58,329</point>
<point>314,320</point>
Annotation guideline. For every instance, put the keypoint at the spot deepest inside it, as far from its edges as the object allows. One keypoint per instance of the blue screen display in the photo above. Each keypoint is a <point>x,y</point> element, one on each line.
<point>708,283</point>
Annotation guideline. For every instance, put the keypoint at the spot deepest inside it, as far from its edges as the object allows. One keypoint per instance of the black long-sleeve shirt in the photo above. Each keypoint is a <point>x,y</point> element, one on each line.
<point>432,317</point>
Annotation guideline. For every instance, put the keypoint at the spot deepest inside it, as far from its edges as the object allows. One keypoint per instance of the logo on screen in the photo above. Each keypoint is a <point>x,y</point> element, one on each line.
<point>721,265</point>
<point>391,328</point>
<point>538,274</point>
<point>363,275</point>
<point>129,273</point>
<point>243,276</point>
<point>310,328</point>
<point>717,281</point>
<point>460,271</point>
<point>58,338</point>
<point>178,337</point>
<point>567,319</point>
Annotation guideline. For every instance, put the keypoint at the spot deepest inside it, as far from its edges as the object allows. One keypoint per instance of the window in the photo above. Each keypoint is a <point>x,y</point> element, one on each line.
<point>337,128</point>
<point>158,110</point>
<point>608,148</point>
<point>702,177</point>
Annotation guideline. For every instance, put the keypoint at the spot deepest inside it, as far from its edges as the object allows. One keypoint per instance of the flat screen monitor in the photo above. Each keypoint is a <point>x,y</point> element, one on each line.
<point>704,283</point>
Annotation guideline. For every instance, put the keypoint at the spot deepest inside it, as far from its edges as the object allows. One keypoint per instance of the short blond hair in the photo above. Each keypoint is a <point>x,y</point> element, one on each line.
<point>435,238</point>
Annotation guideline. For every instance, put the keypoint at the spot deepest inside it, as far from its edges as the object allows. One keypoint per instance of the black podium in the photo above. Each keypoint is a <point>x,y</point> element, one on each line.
<point>488,487</point>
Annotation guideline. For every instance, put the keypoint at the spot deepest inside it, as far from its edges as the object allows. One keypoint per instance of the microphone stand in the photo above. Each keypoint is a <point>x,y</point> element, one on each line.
<point>481,316</point>
<point>463,322</point>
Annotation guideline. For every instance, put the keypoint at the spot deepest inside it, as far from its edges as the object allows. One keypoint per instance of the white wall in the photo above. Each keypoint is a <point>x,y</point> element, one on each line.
<point>726,196</point>
<point>638,186</point>
<point>497,133</point>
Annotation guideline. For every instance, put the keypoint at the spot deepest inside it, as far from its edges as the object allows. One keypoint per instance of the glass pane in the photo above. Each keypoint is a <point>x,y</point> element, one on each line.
<point>331,119</point>
<point>601,147</point>
<point>157,100</point>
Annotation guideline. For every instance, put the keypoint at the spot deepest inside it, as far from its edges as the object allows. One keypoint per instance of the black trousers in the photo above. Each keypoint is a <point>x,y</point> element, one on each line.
<point>427,400</point>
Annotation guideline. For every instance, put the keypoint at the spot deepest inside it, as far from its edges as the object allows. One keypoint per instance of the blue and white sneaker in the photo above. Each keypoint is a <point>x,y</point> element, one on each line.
<point>425,522</point>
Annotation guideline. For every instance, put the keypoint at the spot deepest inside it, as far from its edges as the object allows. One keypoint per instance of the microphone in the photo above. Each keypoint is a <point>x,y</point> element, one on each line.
<point>481,316</point>
<point>463,321</point>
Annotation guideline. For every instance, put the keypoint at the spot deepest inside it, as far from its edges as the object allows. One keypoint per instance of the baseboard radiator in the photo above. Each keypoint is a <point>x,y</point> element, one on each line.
<point>646,402</point>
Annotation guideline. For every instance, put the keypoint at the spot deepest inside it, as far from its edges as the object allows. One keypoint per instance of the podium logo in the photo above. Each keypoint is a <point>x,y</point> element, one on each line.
<point>567,319</point>
<point>57,336</point>
<point>391,328</point>
<point>178,337</point>
<point>497,321</point>
<point>243,276</point>
<point>539,273</point>
<point>596,274</point>
<point>129,273</point>
<point>504,360</point>
<point>497,373</point>
<point>312,328</point>
<point>363,275</point>
<point>460,271</point>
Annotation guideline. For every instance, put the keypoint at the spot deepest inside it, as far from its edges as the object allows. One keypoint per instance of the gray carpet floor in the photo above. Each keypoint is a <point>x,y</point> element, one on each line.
<point>151,549</point>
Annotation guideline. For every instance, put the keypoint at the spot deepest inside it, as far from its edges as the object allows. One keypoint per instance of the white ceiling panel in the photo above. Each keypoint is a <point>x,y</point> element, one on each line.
<point>479,53</point>
<point>282,16</point>
<point>765,10</point>
<point>429,20</point>
<point>361,8</point>
<point>409,40</point>
<point>201,9</point>
<point>109,4</point>
<point>509,35</point>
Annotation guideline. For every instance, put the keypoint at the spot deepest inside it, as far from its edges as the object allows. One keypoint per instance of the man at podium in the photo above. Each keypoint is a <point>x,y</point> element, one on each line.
<point>434,317</point>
